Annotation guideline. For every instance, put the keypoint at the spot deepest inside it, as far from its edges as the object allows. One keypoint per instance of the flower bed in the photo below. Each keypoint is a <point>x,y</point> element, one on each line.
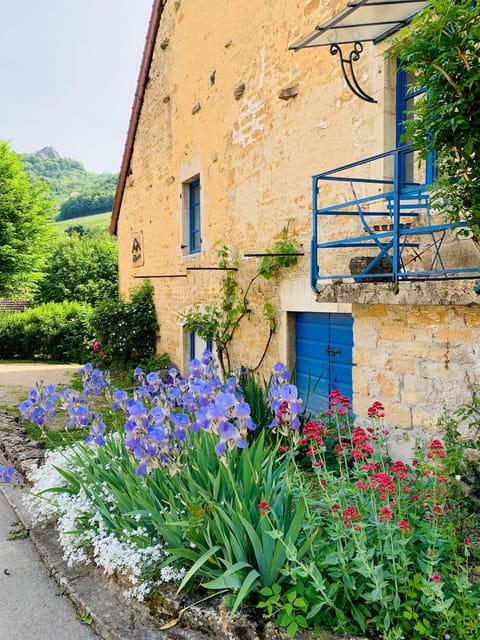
<point>305,520</point>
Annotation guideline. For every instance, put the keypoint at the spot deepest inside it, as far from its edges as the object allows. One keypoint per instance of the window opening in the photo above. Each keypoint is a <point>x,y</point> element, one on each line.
<point>194,217</point>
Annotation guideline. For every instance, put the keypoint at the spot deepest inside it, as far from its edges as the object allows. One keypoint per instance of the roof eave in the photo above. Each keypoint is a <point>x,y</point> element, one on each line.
<point>157,10</point>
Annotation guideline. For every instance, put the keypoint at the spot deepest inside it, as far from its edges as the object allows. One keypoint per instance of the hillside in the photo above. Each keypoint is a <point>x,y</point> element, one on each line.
<point>75,191</point>
<point>95,224</point>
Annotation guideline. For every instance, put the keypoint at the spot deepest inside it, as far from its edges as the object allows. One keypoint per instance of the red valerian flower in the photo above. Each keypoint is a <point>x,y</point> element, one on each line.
<point>467,541</point>
<point>385,514</point>
<point>361,448</point>
<point>437,508</point>
<point>339,448</point>
<point>436,449</point>
<point>436,577</point>
<point>336,398</point>
<point>359,436</point>
<point>382,482</point>
<point>313,430</point>
<point>349,514</point>
<point>362,485</point>
<point>399,470</point>
<point>283,448</point>
<point>415,498</point>
<point>264,507</point>
<point>369,466</point>
<point>404,525</point>
<point>377,410</point>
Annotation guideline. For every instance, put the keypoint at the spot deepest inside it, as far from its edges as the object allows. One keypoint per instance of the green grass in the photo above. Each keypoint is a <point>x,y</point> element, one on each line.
<point>98,222</point>
<point>55,439</point>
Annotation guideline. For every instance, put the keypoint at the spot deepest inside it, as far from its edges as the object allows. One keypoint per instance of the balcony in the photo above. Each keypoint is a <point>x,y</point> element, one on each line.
<point>374,222</point>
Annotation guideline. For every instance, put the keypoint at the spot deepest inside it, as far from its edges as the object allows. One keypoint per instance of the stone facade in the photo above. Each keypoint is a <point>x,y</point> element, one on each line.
<point>227,102</point>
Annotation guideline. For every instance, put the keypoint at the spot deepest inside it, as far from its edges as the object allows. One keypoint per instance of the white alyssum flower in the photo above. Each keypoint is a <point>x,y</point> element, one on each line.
<point>42,505</point>
<point>83,534</point>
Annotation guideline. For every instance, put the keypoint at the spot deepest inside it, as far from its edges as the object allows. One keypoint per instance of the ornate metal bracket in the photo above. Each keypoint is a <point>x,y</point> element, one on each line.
<point>348,70</point>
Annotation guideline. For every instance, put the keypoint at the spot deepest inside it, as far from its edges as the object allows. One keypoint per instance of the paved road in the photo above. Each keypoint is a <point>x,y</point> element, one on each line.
<point>31,606</point>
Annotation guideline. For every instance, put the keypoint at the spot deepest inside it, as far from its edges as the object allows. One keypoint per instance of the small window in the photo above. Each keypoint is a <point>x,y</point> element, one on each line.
<point>198,345</point>
<point>194,217</point>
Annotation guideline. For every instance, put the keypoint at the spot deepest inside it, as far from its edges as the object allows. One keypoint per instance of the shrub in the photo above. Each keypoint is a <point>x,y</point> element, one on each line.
<point>81,269</point>
<point>50,331</point>
<point>126,330</point>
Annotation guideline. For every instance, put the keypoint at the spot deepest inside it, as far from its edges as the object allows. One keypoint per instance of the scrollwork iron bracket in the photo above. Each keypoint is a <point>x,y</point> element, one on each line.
<point>348,71</point>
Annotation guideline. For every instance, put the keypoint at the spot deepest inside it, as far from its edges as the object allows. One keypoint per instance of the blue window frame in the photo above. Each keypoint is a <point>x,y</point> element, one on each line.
<point>198,345</point>
<point>405,99</point>
<point>194,217</point>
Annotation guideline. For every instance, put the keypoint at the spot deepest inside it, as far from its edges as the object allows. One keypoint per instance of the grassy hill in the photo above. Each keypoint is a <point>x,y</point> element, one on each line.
<point>95,223</point>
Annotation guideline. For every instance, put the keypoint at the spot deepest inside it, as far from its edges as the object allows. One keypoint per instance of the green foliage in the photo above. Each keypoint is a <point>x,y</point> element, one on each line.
<point>290,607</point>
<point>53,438</point>
<point>218,322</point>
<point>390,552</point>
<point>82,269</point>
<point>76,192</point>
<point>233,522</point>
<point>255,392</point>
<point>26,228</point>
<point>90,225</point>
<point>462,439</point>
<point>78,230</point>
<point>367,546</point>
<point>283,254</point>
<point>17,531</point>
<point>53,331</point>
<point>98,199</point>
<point>127,329</point>
<point>441,50</point>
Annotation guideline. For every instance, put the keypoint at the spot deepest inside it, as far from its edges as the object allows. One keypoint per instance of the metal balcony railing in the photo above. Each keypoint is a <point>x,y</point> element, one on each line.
<point>368,228</point>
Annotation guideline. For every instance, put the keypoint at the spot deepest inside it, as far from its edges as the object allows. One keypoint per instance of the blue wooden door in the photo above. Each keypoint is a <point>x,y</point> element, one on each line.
<point>323,343</point>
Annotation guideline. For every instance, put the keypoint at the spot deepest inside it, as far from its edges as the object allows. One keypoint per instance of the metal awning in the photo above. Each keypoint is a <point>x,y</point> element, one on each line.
<point>363,21</point>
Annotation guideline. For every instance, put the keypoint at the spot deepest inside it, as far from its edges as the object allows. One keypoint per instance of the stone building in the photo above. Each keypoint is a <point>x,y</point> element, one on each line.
<point>236,109</point>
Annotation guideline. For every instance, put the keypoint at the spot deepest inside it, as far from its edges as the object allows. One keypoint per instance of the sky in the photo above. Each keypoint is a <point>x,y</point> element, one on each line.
<point>68,74</point>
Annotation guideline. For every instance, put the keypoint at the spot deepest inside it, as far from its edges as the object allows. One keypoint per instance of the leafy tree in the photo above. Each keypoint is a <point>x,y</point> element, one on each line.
<point>82,269</point>
<point>87,203</point>
<point>26,225</point>
<point>441,49</point>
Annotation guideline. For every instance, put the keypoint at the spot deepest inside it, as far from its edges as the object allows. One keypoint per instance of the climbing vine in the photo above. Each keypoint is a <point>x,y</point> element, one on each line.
<point>219,321</point>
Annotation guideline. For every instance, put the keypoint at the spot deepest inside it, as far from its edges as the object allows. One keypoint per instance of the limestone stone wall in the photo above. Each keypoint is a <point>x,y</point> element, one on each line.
<point>415,359</point>
<point>229,102</point>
